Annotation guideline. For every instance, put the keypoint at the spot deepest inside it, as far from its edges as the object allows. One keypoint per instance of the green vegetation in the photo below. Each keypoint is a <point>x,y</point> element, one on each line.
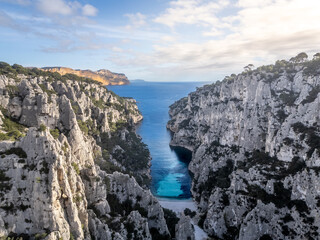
<point>65,148</point>
<point>309,134</point>
<point>108,166</point>
<point>126,207</point>
<point>119,125</point>
<point>77,198</point>
<point>14,130</point>
<point>42,128</point>
<point>5,137</point>
<point>98,103</point>
<point>219,178</point>
<point>4,182</point>
<point>39,236</point>
<point>76,167</point>
<point>12,90</point>
<point>190,213</point>
<point>171,220</point>
<point>92,130</point>
<point>281,197</point>
<point>83,126</point>
<point>301,57</point>
<point>15,69</point>
<point>44,89</point>
<point>313,94</point>
<point>134,158</point>
<point>55,133</point>
<point>75,107</point>
<point>157,236</point>
<point>17,151</point>
<point>288,98</point>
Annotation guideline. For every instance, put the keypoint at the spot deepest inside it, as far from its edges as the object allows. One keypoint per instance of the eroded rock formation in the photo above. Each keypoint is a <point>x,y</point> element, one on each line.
<point>255,139</point>
<point>71,164</point>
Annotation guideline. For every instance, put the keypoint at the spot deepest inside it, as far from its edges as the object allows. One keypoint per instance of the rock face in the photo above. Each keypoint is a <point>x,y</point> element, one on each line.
<point>255,139</point>
<point>184,228</point>
<point>63,146</point>
<point>104,76</point>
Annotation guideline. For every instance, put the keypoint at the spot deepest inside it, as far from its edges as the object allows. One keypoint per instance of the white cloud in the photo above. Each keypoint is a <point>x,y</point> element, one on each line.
<point>7,21</point>
<point>200,12</point>
<point>204,37</point>
<point>168,38</point>
<point>117,49</point>
<point>60,7</point>
<point>136,20</point>
<point>257,32</point>
<point>89,10</point>
<point>254,3</point>
<point>66,8</point>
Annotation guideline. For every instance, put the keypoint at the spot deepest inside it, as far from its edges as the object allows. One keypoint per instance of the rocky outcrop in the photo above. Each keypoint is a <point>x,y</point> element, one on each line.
<point>255,140</point>
<point>104,76</point>
<point>184,228</point>
<point>63,146</point>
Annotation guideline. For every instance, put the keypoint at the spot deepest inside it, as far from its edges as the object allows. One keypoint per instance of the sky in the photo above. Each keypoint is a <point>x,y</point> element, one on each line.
<point>158,40</point>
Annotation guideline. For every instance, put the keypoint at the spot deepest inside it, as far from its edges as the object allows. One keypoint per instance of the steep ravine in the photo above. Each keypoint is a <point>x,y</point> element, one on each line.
<point>71,164</point>
<point>255,139</point>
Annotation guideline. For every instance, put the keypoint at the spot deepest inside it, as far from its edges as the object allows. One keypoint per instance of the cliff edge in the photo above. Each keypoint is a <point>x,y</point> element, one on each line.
<point>104,76</point>
<point>255,139</point>
<point>72,166</point>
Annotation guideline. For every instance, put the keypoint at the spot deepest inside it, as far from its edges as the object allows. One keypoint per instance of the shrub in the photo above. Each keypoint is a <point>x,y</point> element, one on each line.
<point>10,125</point>
<point>83,126</point>
<point>158,236</point>
<point>4,181</point>
<point>288,98</point>
<point>188,212</point>
<point>44,89</point>
<point>42,128</point>
<point>76,167</point>
<point>55,133</point>
<point>136,155</point>
<point>4,137</point>
<point>77,198</point>
<point>171,220</point>
<point>12,90</point>
<point>17,151</point>
<point>313,94</point>
<point>39,236</point>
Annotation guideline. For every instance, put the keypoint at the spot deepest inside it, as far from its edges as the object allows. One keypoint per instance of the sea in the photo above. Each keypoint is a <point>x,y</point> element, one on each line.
<point>169,170</point>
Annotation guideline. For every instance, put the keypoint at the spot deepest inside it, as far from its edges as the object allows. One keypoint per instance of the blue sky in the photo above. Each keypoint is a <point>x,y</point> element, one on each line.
<point>158,40</point>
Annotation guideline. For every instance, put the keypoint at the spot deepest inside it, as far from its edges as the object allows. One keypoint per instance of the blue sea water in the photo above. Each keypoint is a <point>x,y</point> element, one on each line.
<point>170,175</point>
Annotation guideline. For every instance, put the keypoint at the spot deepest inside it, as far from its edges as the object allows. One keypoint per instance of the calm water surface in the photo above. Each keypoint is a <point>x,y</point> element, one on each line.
<point>170,176</point>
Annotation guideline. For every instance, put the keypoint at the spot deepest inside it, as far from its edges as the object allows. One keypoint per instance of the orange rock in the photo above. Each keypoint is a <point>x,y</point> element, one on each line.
<point>104,76</point>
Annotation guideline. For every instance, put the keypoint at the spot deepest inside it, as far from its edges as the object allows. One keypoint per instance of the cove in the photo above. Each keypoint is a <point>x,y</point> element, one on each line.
<point>169,170</point>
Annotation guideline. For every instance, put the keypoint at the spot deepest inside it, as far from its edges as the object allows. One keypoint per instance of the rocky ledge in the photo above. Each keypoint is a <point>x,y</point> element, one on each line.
<point>255,140</point>
<point>71,164</point>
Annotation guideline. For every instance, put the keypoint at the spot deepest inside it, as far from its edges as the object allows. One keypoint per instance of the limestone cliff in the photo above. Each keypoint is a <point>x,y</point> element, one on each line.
<point>104,76</point>
<point>71,164</point>
<point>255,140</point>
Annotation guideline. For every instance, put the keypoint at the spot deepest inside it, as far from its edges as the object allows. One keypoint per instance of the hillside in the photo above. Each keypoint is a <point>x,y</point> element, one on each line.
<point>255,142</point>
<point>72,166</point>
<point>104,76</point>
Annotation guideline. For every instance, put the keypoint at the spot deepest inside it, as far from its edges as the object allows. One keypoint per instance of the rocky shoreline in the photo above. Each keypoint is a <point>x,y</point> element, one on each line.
<point>255,139</point>
<point>72,166</point>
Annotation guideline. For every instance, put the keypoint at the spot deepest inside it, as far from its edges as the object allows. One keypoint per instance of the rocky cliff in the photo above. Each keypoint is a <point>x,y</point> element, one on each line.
<point>104,76</point>
<point>71,164</point>
<point>255,142</point>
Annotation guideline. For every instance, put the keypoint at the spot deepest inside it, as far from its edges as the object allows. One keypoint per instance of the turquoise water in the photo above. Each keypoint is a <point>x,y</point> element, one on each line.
<point>169,170</point>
